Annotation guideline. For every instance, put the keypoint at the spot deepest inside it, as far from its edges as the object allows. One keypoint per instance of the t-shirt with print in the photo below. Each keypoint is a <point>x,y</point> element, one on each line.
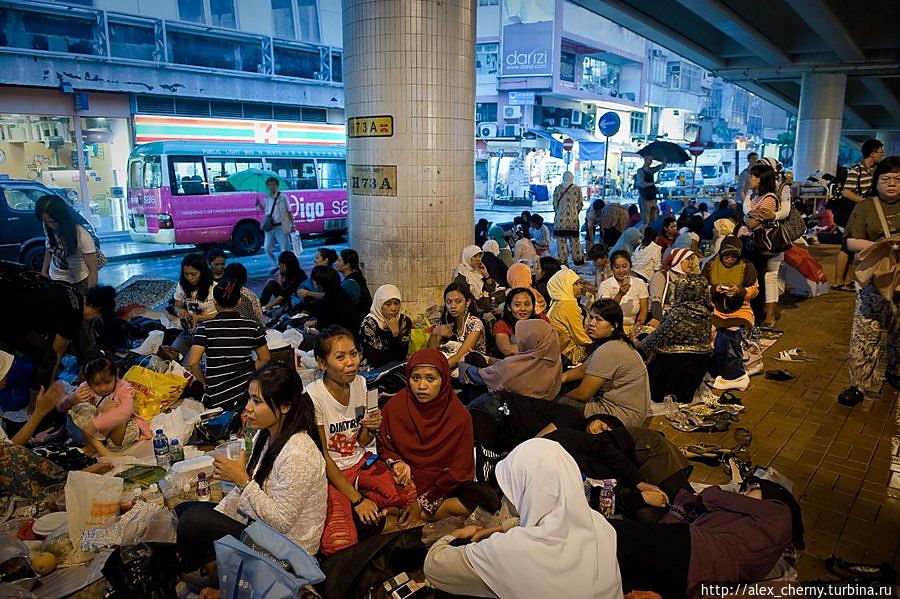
<point>193,304</point>
<point>71,268</point>
<point>450,346</point>
<point>626,392</point>
<point>865,224</point>
<point>341,423</point>
<point>631,302</point>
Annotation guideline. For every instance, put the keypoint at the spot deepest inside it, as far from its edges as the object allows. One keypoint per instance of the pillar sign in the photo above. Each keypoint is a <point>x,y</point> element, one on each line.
<point>371,126</point>
<point>372,180</point>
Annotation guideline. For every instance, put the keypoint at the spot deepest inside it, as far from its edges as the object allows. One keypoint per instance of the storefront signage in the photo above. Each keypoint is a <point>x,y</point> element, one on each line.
<point>502,154</point>
<point>372,180</point>
<point>149,128</point>
<point>527,44</point>
<point>522,98</point>
<point>370,126</point>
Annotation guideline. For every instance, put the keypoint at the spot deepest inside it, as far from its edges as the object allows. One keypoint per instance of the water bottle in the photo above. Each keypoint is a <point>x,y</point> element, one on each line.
<point>161,449</point>
<point>248,441</point>
<point>154,496</point>
<point>202,487</point>
<point>177,451</point>
<point>607,499</point>
<point>587,488</point>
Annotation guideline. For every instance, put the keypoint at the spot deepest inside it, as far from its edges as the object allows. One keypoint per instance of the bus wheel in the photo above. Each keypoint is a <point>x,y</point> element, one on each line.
<point>246,239</point>
<point>33,257</point>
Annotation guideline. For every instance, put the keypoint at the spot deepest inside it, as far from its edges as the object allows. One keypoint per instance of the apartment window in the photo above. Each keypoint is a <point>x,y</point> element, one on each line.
<point>295,20</point>
<point>486,112</point>
<point>486,57</point>
<point>222,13</point>
<point>673,75</point>
<point>691,78</point>
<point>191,11</point>
<point>488,2</point>
<point>637,123</point>
<point>567,66</point>
<point>218,13</point>
<point>308,20</point>
<point>283,19</point>
<point>657,68</point>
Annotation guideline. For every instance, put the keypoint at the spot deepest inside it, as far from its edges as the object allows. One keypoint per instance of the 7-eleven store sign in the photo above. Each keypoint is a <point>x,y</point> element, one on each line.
<point>265,132</point>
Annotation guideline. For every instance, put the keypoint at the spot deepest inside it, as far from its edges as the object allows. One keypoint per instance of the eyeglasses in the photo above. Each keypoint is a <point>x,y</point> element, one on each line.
<point>889,179</point>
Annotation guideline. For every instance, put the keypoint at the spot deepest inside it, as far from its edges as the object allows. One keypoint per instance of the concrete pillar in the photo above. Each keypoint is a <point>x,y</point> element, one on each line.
<point>819,122</point>
<point>414,61</point>
<point>891,141</point>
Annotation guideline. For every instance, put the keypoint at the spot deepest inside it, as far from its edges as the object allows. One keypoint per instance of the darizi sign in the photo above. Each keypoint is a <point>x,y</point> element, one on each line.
<point>372,180</point>
<point>527,43</point>
<point>370,126</point>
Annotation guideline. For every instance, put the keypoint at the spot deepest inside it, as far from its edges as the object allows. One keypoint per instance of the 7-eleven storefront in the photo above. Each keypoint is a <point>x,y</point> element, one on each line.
<point>149,128</point>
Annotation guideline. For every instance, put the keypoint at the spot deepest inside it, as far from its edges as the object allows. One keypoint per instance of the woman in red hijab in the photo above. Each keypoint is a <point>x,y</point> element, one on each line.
<point>426,440</point>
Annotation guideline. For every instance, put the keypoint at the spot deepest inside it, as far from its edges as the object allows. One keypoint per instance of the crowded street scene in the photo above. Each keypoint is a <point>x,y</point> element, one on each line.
<point>472,298</point>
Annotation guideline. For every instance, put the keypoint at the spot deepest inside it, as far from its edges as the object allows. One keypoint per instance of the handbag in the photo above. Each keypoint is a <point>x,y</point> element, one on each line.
<point>879,264</point>
<point>771,237</point>
<point>268,224</point>
<point>264,564</point>
<point>794,224</point>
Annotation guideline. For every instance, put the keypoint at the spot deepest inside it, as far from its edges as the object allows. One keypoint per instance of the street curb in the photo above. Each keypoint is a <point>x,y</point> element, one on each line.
<point>150,254</point>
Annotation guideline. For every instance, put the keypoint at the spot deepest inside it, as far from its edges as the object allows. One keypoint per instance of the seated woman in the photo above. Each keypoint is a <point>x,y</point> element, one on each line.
<point>558,548</point>
<point>733,284</point>
<point>566,316</point>
<point>216,259</point>
<point>519,306</point>
<point>248,306</point>
<point>335,307</point>
<point>279,293</point>
<point>668,233</point>
<point>385,333</point>
<point>494,266</point>
<point>519,275</point>
<point>109,333</point>
<point>598,255</point>
<point>346,429</point>
<point>524,251</point>
<point>459,331</point>
<point>679,349</point>
<point>102,408</point>
<point>497,234</point>
<point>348,265</point>
<point>193,297</point>
<point>426,440</point>
<point>628,242</point>
<point>695,542</point>
<point>722,228</point>
<point>283,484</point>
<point>628,291</point>
<point>662,284</point>
<point>614,378</point>
<point>307,291</point>
<point>228,342</point>
<point>544,269</point>
<point>473,271</point>
<point>647,258</point>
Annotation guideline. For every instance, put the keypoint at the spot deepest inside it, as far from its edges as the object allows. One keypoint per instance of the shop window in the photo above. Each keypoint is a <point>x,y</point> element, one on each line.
<point>72,34</point>
<point>152,172</point>
<point>188,177</point>
<point>294,62</point>
<point>22,199</point>
<point>567,66</point>
<point>601,76</point>
<point>219,169</point>
<point>297,173</point>
<point>337,67</point>
<point>131,41</point>
<point>486,59</point>
<point>332,174</point>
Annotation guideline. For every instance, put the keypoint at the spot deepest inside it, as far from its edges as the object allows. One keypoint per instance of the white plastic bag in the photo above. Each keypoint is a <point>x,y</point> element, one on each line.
<point>296,243</point>
<point>151,344</point>
<point>91,501</point>
<point>179,423</point>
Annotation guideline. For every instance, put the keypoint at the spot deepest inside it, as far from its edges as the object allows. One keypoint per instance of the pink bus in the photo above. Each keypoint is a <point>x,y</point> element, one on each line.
<point>178,191</point>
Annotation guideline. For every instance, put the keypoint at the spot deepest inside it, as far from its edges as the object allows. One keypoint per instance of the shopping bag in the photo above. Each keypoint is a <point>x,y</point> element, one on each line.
<point>154,392</point>
<point>801,260</point>
<point>91,501</point>
<point>296,243</point>
<point>419,334</point>
<point>142,571</point>
<point>264,564</point>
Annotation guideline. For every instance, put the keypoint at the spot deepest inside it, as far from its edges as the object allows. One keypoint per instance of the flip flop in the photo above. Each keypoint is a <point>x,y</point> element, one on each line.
<point>797,354</point>
<point>845,287</point>
<point>711,455</point>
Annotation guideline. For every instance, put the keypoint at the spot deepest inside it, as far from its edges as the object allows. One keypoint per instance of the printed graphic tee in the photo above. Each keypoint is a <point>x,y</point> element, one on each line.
<point>341,423</point>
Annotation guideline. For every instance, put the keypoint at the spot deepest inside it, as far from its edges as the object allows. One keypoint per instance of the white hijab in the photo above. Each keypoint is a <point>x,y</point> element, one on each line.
<point>473,276</point>
<point>561,547</point>
<point>491,247</point>
<point>382,295</point>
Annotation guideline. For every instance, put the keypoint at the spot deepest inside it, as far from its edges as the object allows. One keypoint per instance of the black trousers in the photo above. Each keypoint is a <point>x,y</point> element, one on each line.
<point>653,557</point>
<point>272,289</point>
<point>199,527</point>
<point>502,428</point>
<point>676,374</point>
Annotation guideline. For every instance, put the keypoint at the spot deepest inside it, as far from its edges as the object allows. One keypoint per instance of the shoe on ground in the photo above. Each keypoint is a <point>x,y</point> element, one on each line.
<point>850,397</point>
<point>756,368</point>
<point>739,384</point>
<point>780,375</point>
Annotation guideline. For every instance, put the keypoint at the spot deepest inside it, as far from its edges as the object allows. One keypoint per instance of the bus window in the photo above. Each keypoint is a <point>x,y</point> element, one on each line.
<point>134,173</point>
<point>297,173</point>
<point>220,169</point>
<point>188,177</point>
<point>152,172</point>
<point>332,174</point>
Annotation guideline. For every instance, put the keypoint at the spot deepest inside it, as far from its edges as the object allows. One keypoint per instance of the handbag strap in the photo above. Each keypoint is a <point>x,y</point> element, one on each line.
<point>880,211</point>
<point>274,204</point>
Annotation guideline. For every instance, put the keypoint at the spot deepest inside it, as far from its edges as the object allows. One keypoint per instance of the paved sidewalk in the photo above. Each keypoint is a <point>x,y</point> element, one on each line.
<point>844,462</point>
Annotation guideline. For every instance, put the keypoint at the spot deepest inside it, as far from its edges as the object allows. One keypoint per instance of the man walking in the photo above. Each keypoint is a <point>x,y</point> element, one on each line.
<point>278,222</point>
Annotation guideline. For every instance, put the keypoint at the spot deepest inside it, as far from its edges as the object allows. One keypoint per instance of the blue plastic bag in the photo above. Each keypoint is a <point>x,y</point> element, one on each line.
<point>264,564</point>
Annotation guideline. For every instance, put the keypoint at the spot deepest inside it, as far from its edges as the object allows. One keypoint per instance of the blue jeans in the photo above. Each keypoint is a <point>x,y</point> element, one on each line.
<point>729,354</point>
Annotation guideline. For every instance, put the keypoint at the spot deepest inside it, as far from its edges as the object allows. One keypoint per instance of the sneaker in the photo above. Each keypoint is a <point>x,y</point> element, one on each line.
<point>850,397</point>
<point>755,368</point>
<point>739,384</point>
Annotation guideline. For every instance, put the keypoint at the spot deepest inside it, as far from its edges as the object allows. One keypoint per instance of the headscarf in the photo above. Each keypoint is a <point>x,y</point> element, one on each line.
<point>473,277</point>
<point>683,240</point>
<point>382,295</point>
<point>719,274</point>
<point>524,250</point>
<point>561,547</point>
<point>499,235</point>
<point>722,228</point>
<point>536,371</point>
<point>568,178</point>
<point>491,247</point>
<point>434,438</point>
<point>628,241</point>
<point>560,286</point>
<point>675,259</point>
<point>519,275</point>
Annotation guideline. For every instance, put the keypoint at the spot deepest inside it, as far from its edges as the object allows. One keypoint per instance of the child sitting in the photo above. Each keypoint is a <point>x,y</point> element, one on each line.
<point>103,410</point>
<point>540,234</point>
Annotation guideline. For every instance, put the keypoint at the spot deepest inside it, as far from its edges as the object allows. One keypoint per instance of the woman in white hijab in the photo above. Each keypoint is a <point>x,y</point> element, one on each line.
<point>471,269</point>
<point>385,332</point>
<point>722,228</point>
<point>559,548</point>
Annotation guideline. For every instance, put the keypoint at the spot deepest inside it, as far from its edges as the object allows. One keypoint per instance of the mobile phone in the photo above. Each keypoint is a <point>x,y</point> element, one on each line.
<point>372,400</point>
<point>370,461</point>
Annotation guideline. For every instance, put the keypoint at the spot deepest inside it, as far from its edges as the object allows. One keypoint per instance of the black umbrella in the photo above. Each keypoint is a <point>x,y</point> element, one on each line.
<point>665,151</point>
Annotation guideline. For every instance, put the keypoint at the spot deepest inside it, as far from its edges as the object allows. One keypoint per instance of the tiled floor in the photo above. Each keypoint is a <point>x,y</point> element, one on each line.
<point>844,462</point>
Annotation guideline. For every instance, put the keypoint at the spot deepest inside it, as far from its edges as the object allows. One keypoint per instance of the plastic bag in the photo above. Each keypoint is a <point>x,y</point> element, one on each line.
<point>154,392</point>
<point>151,344</point>
<point>147,523</point>
<point>14,561</point>
<point>296,243</point>
<point>433,531</point>
<point>91,501</point>
<point>143,571</point>
<point>179,423</point>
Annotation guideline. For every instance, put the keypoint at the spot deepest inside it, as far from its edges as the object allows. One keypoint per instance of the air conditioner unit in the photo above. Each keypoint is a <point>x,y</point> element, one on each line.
<point>563,122</point>
<point>576,117</point>
<point>512,130</point>
<point>512,112</point>
<point>487,130</point>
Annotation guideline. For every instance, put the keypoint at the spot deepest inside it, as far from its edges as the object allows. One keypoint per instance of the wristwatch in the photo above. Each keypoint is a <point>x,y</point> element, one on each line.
<point>358,501</point>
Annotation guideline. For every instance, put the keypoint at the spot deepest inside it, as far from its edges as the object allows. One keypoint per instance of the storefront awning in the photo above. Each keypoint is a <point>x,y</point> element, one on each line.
<point>589,146</point>
<point>556,149</point>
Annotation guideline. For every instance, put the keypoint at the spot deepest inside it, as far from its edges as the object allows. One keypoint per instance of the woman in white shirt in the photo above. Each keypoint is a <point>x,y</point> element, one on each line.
<point>71,254</point>
<point>628,291</point>
<point>283,484</point>
<point>647,257</point>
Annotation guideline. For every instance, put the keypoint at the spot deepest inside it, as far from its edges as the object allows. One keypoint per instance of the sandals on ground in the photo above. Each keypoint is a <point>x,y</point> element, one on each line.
<point>797,354</point>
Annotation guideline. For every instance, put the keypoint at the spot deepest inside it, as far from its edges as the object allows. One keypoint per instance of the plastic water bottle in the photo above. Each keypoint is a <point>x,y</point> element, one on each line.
<point>607,499</point>
<point>202,487</point>
<point>587,488</point>
<point>177,451</point>
<point>161,449</point>
<point>154,496</point>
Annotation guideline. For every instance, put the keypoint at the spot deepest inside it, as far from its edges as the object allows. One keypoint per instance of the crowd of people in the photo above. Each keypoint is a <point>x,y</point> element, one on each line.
<point>534,378</point>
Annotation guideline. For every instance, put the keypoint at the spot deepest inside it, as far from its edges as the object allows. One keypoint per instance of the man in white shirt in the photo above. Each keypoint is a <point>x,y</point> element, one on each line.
<point>743,187</point>
<point>282,222</point>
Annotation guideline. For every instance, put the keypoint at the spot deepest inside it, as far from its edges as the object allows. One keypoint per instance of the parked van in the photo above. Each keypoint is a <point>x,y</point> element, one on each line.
<point>21,234</point>
<point>676,180</point>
